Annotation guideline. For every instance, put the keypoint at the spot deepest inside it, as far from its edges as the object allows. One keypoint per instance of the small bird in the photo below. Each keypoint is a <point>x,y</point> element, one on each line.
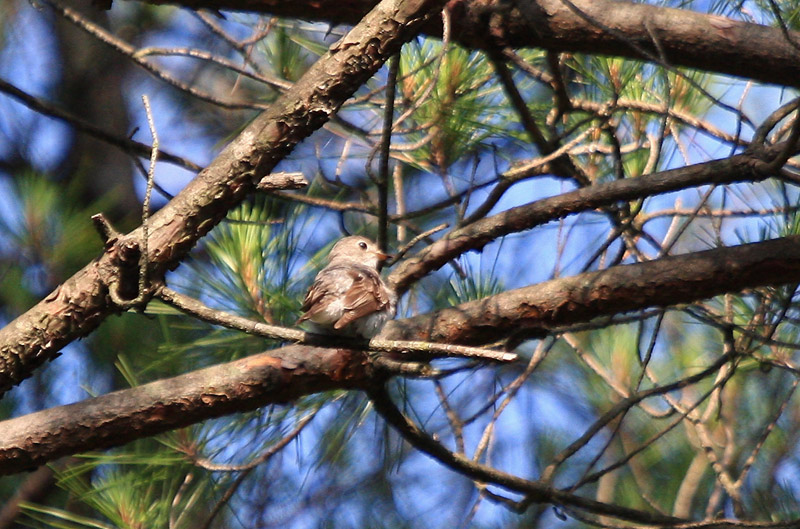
<point>348,296</point>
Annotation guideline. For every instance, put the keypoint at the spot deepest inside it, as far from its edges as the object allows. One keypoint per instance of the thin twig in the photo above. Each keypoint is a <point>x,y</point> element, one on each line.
<point>203,55</point>
<point>542,350</point>
<point>436,72</point>
<point>456,424</point>
<point>127,145</point>
<point>625,404</point>
<point>684,414</point>
<point>424,235</point>
<point>399,198</point>
<point>195,308</point>
<point>765,434</point>
<point>151,171</point>
<point>207,464</point>
<point>130,51</point>
<point>536,491</point>
<point>277,447</point>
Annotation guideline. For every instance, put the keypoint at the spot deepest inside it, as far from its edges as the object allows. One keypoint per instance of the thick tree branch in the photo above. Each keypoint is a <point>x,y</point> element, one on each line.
<point>76,307</point>
<point>120,417</point>
<point>751,166</point>
<point>559,302</point>
<point>607,27</point>
<point>285,374</point>
<point>430,350</point>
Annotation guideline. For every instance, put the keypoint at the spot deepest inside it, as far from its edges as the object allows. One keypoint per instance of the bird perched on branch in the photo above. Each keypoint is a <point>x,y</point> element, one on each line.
<point>348,296</point>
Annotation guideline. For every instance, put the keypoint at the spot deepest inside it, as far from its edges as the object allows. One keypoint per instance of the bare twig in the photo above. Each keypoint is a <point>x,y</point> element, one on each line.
<point>410,244</point>
<point>207,464</point>
<point>478,234</point>
<point>151,172</point>
<point>195,308</point>
<point>272,81</point>
<point>622,406</point>
<point>536,491</point>
<point>127,49</point>
<point>247,469</point>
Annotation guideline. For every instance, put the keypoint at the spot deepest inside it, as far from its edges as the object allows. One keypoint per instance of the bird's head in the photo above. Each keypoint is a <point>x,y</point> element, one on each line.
<point>358,250</point>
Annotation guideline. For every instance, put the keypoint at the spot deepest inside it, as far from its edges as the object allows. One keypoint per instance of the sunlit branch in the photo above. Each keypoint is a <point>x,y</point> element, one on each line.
<point>730,47</point>
<point>743,167</point>
<point>197,309</point>
<point>79,305</point>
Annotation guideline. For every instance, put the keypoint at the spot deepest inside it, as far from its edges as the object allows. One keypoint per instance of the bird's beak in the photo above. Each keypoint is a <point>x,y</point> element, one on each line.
<point>384,256</point>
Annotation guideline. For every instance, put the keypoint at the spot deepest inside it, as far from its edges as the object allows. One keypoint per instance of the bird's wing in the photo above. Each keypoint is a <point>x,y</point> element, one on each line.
<point>366,294</point>
<point>329,284</point>
<point>314,295</point>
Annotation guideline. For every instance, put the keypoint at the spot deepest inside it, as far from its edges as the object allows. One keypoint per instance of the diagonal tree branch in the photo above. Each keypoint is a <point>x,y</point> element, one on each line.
<point>606,27</point>
<point>560,302</point>
<point>49,109</point>
<point>750,166</point>
<point>535,491</point>
<point>284,374</point>
<point>77,306</point>
<point>122,416</point>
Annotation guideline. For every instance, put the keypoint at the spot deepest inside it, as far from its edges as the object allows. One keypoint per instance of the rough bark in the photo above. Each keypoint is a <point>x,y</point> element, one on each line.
<point>279,376</point>
<point>285,374</point>
<point>752,166</point>
<point>77,306</point>
<point>559,302</point>
<point>676,37</point>
<point>122,416</point>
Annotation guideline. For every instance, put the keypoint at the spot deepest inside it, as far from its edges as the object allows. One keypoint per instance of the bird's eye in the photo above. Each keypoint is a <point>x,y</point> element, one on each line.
<point>362,245</point>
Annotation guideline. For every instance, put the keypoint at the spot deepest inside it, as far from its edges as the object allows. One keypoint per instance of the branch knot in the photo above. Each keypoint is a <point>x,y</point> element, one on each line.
<point>125,275</point>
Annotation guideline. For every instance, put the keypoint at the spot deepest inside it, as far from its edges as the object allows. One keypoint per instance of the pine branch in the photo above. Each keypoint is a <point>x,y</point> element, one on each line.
<point>750,166</point>
<point>604,27</point>
<point>535,491</point>
<point>117,418</point>
<point>284,374</point>
<point>430,350</point>
<point>560,302</point>
<point>80,304</point>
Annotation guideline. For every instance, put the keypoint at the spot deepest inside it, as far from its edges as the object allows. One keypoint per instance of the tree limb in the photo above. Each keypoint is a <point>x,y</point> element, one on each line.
<point>605,27</point>
<point>77,306</point>
<point>564,301</point>
<point>749,166</point>
<point>117,418</point>
<point>430,350</point>
<point>287,373</point>
<point>535,491</point>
